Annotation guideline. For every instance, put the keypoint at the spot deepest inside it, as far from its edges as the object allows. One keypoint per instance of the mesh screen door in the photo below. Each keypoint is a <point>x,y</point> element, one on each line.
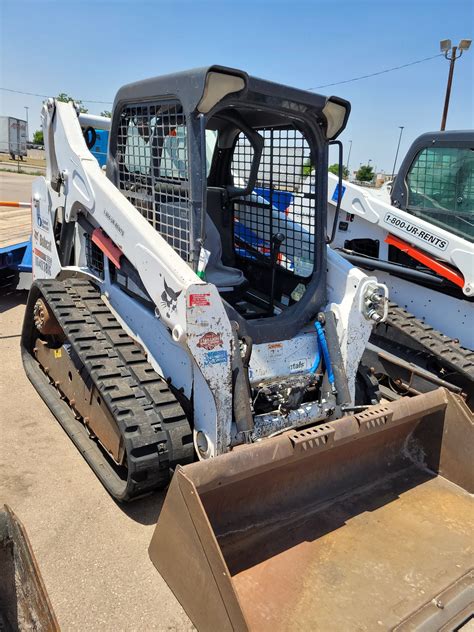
<point>441,189</point>
<point>283,200</point>
<point>152,158</point>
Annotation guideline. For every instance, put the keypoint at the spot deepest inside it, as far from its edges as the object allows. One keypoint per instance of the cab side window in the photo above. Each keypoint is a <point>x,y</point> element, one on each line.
<point>441,189</point>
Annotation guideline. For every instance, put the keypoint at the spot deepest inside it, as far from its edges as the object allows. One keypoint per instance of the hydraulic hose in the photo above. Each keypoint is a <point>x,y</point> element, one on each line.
<point>317,359</point>
<point>327,358</point>
<point>332,339</point>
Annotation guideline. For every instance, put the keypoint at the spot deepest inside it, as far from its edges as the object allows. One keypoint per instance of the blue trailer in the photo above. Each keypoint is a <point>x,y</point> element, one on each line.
<point>16,259</point>
<point>99,149</point>
<point>15,266</point>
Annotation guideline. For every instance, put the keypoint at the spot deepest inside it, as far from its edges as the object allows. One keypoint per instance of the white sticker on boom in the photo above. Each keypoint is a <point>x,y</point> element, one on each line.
<point>415,231</point>
<point>299,365</point>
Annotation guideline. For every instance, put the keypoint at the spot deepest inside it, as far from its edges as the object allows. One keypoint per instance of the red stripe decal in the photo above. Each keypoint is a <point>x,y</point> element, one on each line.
<point>110,250</point>
<point>440,268</point>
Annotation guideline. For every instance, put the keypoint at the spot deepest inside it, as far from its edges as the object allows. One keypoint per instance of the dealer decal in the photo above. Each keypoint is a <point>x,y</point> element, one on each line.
<point>210,341</point>
<point>298,365</point>
<point>41,241</point>
<point>42,261</point>
<point>42,221</point>
<point>415,231</point>
<point>215,357</point>
<point>44,243</point>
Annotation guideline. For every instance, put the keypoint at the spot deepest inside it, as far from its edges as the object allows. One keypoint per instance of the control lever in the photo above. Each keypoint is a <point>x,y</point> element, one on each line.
<point>277,241</point>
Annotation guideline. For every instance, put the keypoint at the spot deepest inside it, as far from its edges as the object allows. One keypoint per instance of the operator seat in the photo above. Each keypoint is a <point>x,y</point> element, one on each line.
<point>225,277</point>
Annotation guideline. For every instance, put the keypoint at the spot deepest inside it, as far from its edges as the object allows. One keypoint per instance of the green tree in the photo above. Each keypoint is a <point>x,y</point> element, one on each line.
<point>335,170</point>
<point>65,98</point>
<point>106,113</point>
<point>365,173</point>
<point>307,168</point>
<point>38,137</point>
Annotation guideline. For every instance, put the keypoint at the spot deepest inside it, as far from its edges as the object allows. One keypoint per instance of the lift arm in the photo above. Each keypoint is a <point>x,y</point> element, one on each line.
<point>427,237</point>
<point>76,187</point>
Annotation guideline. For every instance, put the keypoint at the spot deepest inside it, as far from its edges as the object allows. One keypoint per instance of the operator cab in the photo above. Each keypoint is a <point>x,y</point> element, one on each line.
<point>217,168</point>
<point>260,253</point>
<point>436,181</point>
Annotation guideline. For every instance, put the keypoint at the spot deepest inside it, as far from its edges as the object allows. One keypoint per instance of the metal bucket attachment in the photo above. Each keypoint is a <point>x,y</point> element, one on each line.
<point>354,524</point>
<point>24,602</point>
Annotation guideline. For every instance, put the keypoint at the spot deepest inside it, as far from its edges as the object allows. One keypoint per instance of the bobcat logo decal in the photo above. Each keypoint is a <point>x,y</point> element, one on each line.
<point>169,300</point>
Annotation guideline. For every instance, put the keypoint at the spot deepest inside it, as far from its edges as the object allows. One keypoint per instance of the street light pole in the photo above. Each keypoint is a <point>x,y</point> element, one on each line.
<point>452,61</point>
<point>27,128</point>
<point>349,155</point>
<point>446,48</point>
<point>402,127</point>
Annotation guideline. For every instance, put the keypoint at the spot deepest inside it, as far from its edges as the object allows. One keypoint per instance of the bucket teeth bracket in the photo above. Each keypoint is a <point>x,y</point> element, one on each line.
<point>313,438</point>
<point>374,418</point>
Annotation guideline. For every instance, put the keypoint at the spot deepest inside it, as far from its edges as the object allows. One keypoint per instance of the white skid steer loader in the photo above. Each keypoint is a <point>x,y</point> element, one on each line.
<point>166,325</point>
<point>421,246</point>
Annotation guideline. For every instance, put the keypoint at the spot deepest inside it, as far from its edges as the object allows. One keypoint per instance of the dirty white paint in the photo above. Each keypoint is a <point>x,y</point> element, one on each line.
<point>346,288</point>
<point>282,358</point>
<point>189,336</point>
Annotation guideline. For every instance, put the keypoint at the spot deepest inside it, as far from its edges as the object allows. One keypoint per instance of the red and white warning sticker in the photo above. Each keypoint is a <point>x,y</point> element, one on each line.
<point>199,300</point>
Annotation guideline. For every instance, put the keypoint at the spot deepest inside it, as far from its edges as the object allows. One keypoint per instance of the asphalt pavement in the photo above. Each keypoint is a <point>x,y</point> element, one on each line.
<point>92,552</point>
<point>15,187</point>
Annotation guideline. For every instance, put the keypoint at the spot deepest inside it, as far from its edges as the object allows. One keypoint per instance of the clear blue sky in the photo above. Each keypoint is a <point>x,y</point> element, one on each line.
<point>90,48</point>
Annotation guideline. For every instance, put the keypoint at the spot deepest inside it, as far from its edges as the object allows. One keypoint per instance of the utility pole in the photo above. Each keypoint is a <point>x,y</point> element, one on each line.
<point>446,48</point>
<point>349,155</point>
<point>402,127</point>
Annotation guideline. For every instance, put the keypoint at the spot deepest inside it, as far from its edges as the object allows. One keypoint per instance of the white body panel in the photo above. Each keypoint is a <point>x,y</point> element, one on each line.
<point>86,186</point>
<point>384,218</point>
<point>454,317</point>
<point>188,337</point>
<point>282,358</point>
<point>45,260</point>
<point>363,217</point>
<point>347,287</point>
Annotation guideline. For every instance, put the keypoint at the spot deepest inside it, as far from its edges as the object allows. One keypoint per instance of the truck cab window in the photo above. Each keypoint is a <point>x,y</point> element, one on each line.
<point>441,189</point>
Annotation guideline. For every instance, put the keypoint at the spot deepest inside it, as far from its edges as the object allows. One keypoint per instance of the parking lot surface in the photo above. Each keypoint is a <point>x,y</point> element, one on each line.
<point>92,552</point>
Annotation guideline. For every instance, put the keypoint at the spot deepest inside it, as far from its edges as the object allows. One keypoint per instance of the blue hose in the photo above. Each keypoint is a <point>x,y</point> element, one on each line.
<point>323,346</point>
<point>317,359</point>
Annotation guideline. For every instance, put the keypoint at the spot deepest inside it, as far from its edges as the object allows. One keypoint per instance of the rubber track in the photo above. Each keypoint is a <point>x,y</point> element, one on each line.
<point>448,352</point>
<point>146,411</point>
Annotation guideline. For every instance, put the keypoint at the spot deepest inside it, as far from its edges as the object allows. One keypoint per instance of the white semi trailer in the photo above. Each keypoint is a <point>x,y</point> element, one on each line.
<point>13,136</point>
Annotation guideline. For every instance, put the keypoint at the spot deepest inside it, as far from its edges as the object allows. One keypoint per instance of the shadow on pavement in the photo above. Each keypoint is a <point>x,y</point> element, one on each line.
<point>145,510</point>
<point>10,299</point>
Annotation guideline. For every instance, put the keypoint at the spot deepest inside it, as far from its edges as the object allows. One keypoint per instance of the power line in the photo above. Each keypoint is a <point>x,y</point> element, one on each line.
<point>325,85</point>
<point>46,96</point>
<point>380,72</point>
